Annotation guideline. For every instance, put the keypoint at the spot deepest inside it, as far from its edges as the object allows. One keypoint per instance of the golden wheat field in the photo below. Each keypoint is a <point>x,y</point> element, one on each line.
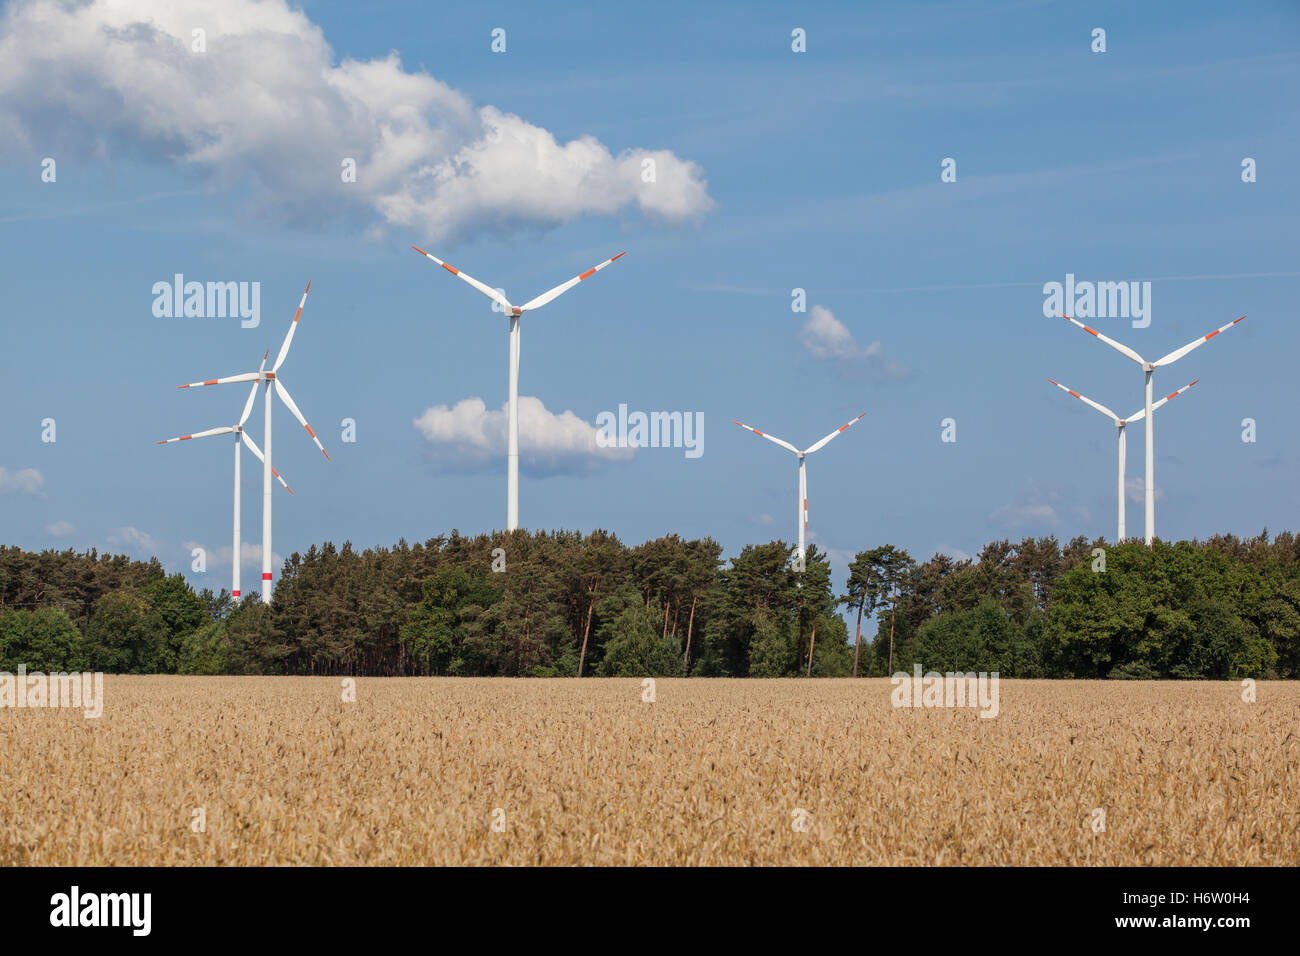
<point>497,771</point>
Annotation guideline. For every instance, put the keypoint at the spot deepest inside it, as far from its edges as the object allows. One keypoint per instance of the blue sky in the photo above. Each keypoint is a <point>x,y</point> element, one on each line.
<point>779,170</point>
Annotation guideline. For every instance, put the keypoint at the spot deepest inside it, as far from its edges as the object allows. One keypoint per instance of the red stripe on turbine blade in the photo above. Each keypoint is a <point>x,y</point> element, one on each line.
<point>1212,335</point>
<point>756,431</point>
<point>1074,393</point>
<point>623,253</point>
<point>450,269</point>
<point>419,250</point>
<point>211,382</point>
<point>589,272</point>
<point>309,431</point>
<point>308,286</point>
<point>1093,331</point>
<point>185,438</point>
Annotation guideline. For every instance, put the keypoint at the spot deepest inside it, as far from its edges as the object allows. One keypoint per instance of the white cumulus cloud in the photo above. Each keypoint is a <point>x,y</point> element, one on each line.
<point>828,339</point>
<point>267,106</point>
<point>469,436</point>
<point>60,529</point>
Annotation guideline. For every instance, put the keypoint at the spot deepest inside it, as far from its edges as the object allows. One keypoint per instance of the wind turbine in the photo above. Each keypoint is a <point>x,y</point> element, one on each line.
<point>1148,368</point>
<point>801,514</point>
<point>240,436</point>
<point>268,380</point>
<point>512,412</point>
<point>1121,424</point>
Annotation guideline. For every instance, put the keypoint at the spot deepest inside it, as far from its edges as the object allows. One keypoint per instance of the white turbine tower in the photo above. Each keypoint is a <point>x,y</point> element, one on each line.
<point>1148,368</point>
<point>512,412</point>
<point>1121,424</point>
<point>240,436</point>
<point>267,380</point>
<point>801,514</point>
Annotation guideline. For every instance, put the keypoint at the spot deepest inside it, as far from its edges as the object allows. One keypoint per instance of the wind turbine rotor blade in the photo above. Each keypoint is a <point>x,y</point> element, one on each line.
<point>257,453</point>
<point>1088,401</point>
<point>784,444</point>
<point>1172,395</point>
<point>284,397</point>
<point>488,291</point>
<point>1176,354</point>
<point>284,349</point>
<point>559,290</point>
<point>224,430</point>
<point>245,377</point>
<point>248,405</point>
<point>834,433</point>
<point>1121,349</point>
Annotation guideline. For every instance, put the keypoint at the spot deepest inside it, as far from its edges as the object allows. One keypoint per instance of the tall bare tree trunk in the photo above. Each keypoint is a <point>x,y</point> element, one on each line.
<point>690,626</point>
<point>811,646</point>
<point>857,641</point>
<point>665,634</point>
<point>585,631</point>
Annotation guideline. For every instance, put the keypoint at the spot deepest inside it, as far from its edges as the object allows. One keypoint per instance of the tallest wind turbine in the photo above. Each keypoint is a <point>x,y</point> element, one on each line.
<point>1148,368</point>
<point>512,412</point>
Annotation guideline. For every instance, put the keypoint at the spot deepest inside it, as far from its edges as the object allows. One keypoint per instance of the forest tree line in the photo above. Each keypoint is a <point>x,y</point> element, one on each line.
<point>568,604</point>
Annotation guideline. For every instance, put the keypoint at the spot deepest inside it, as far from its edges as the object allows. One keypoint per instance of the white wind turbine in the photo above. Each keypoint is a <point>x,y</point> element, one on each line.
<point>1121,424</point>
<point>267,380</point>
<point>1148,368</point>
<point>801,515</point>
<point>512,412</point>
<point>240,436</point>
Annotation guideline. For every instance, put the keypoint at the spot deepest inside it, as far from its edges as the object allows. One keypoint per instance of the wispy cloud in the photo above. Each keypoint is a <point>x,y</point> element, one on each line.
<point>133,540</point>
<point>60,529</point>
<point>1035,506</point>
<point>24,481</point>
<point>1135,490</point>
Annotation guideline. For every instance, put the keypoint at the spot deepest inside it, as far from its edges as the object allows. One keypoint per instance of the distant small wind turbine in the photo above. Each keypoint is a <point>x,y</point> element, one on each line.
<point>240,436</point>
<point>267,380</point>
<point>1148,368</point>
<point>1121,424</point>
<point>802,505</point>
<point>512,412</point>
